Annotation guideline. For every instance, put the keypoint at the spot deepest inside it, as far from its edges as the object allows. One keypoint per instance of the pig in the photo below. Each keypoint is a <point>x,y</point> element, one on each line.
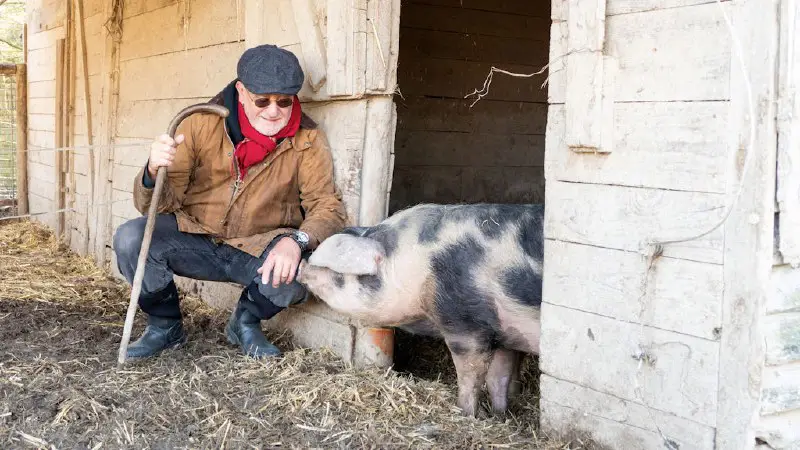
<point>469,273</point>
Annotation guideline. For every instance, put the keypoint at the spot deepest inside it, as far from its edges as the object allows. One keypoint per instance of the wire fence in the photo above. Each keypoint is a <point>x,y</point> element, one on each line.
<point>8,145</point>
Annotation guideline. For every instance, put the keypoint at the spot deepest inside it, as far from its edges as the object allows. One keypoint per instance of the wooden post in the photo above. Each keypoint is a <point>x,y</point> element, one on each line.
<point>87,112</point>
<point>58,194</point>
<point>749,229</point>
<point>22,139</point>
<point>102,215</point>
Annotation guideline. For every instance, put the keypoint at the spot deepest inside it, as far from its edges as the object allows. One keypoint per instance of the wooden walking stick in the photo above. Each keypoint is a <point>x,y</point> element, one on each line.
<point>136,287</point>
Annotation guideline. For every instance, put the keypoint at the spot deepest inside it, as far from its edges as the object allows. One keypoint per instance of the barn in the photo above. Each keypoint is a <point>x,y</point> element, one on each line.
<point>660,134</point>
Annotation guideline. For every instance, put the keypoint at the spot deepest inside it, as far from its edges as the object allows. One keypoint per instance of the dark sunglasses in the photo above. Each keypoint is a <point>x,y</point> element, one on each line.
<point>263,102</point>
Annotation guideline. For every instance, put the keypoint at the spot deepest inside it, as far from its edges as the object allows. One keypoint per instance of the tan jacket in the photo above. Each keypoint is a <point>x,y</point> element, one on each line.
<point>293,188</point>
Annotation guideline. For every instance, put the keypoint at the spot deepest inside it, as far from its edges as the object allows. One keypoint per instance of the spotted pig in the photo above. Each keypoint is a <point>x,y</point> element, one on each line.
<point>471,274</point>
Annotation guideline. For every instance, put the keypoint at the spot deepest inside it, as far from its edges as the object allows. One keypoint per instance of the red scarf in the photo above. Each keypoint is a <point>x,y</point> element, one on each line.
<point>256,146</point>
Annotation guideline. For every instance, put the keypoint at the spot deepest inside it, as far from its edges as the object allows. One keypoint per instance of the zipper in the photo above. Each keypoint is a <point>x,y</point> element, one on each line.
<point>238,182</point>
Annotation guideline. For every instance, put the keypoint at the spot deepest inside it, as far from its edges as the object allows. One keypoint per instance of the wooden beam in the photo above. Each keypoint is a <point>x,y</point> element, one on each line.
<point>87,112</point>
<point>376,159</point>
<point>8,69</point>
<point>789,134</point>
<point>749,229</point>
<point>585,72</point>
<point>311,42</point>
<point>22,139</point>
<point>101,232</point>
<point>69,120</point>
<point>58,194</point>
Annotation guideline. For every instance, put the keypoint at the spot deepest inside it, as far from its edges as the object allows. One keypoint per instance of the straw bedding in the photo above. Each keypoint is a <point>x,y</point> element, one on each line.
<point>61,319</point>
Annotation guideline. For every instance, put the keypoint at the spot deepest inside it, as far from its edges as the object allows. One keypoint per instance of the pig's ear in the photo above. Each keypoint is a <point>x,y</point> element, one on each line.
<point>345,253</point>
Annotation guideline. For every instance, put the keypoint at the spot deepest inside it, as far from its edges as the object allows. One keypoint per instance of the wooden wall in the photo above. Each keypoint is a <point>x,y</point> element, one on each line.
<point>647,354</point>
<point>447,151</point>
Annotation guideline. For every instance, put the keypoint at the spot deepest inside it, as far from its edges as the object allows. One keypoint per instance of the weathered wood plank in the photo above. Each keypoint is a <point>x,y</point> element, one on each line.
<point>749,228</point>
<point>341,47</point>
<point>382,29</point>
<point>780,430</point>
<point>625,218</point>
<point>784,293</point>
<point>502,185</point>
<point>311,41</point>
<point>487,116</point>
<point>462,20</point>
<point>636,6</point>
<point>343,124</point>
<point>780,391</point>
<point>43,122</point>
<point>467,47</point>
<point>613,420</point>
<point>458,149</point>
<point>149,118</point>
<point>188,74</point>
<point>138,7</point>
<point>41,89</point>
<point>42,65</point>
<point>658,55</point>
<point>681,296</point>
<point>154,33</point>
<point>455,79</point>
<point>782,338</point>
<point>514,7</point>
<point>212,22</point>
<point>412,185</point>
<point>21,124</point>
<point>789,133</point>
<point>123,204</point>
<point>681,379</point>
<point>45,39</point>
<point>378,142</point>
<point>689,152</point>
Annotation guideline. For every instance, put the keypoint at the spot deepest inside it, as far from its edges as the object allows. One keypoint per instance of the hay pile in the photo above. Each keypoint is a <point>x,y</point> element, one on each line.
<point>60,325</point>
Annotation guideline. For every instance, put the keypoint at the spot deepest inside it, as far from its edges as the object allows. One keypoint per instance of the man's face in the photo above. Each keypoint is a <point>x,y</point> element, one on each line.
<point>269,118</point>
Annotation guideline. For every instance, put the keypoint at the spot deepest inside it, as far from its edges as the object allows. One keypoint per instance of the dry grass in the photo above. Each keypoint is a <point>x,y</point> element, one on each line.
<point>60,323</point>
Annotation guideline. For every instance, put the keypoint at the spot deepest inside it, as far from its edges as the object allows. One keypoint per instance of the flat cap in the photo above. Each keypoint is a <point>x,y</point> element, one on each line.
<point>268,69</point>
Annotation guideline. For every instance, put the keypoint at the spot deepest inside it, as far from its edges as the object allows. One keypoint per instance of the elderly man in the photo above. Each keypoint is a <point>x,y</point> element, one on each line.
<point>247,197</point>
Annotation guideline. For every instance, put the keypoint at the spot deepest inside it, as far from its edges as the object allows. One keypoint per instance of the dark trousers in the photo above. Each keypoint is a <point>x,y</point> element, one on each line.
<point>196,256</point>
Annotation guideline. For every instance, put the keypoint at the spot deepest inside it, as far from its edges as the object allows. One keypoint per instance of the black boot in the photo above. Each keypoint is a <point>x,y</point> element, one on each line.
<point>160,334</point>
<point>244,330</point>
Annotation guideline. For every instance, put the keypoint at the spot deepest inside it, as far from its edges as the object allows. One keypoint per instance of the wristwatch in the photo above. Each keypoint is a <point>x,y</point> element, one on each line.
<point>301,237</point>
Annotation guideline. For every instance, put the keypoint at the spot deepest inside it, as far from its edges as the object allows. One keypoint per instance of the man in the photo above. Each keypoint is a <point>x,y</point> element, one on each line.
<point>246,198</point>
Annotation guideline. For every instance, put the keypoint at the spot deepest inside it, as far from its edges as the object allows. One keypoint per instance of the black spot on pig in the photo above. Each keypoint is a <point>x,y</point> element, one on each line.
<point>338,280</point>
<point>522,284</point>
<point>430,224</point>
<point>460,305</point>
<point>494,220</point>
<point>386,235</point>
<point>530,237</point>
<point>371,283</point>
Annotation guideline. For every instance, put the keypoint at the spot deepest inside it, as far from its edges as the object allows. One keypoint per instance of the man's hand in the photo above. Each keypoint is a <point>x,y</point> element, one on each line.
<point>162,153</point>
<point>282,261</point>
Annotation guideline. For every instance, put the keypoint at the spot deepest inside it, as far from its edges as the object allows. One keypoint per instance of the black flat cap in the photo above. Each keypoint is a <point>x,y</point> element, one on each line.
<point>268,69</point>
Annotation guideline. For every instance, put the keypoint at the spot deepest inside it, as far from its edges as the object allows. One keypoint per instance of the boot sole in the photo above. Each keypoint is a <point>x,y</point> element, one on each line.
<point>183,340</point>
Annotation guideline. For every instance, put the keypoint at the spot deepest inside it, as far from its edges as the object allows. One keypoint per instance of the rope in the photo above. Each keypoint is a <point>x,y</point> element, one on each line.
<point>89,207</point>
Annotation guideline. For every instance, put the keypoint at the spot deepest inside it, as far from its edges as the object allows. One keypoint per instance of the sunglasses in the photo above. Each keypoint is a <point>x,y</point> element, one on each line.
<point>263,102</point>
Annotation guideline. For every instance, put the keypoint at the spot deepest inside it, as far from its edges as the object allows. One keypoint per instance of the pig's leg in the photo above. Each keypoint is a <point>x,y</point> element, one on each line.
<point>504,366</point>
<point>472,363</point>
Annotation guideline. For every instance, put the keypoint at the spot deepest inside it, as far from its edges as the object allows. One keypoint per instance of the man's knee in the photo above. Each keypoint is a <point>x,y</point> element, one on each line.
<point>128,238</point>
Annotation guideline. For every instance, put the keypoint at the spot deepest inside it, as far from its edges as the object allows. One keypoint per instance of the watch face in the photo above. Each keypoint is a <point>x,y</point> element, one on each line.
<point>302,237</point>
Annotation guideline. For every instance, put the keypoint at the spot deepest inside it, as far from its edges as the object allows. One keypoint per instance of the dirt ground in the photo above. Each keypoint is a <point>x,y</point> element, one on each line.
<point>61,320</point>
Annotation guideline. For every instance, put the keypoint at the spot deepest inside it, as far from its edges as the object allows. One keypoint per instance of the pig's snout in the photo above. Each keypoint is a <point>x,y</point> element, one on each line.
<point>301,271</point>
